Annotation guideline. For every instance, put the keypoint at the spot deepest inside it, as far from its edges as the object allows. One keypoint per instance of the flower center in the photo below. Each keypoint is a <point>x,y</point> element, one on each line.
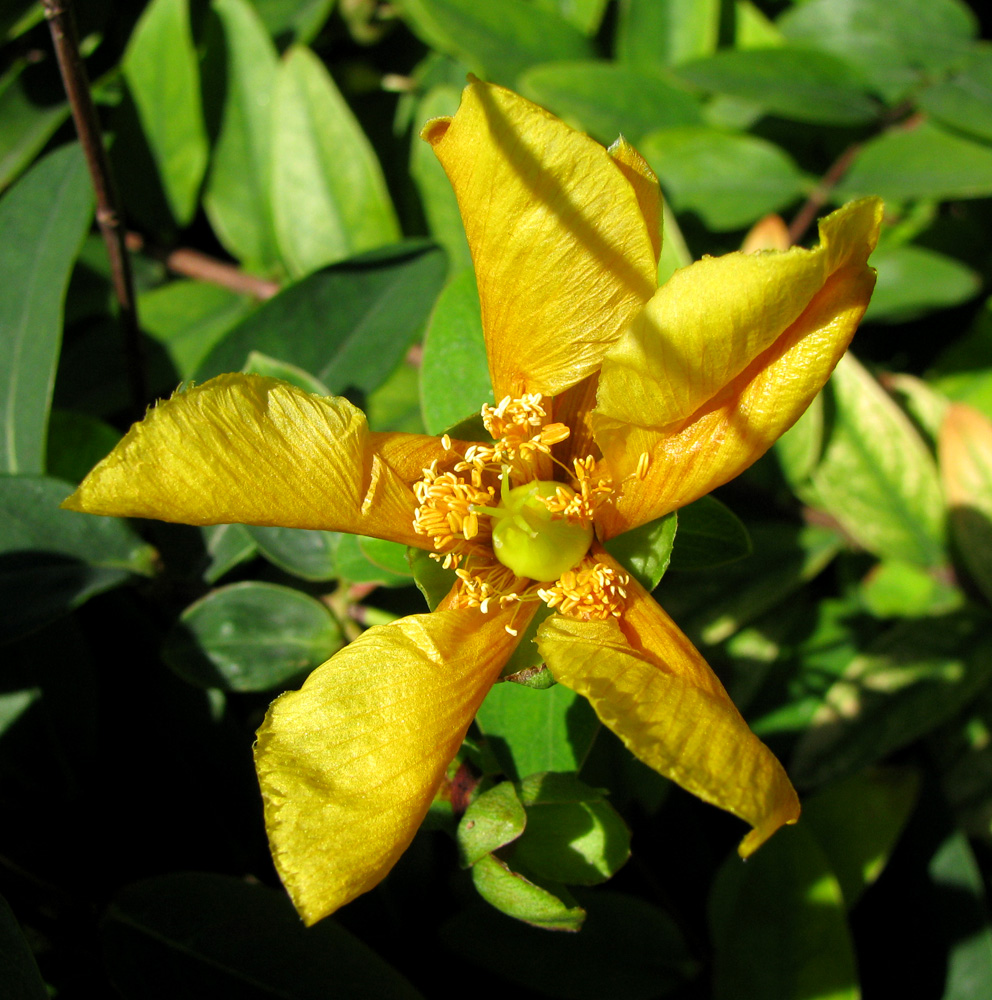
<point>531,541</point>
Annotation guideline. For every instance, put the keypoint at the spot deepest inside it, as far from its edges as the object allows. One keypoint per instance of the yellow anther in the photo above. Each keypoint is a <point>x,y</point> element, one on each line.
<point>591,590</point>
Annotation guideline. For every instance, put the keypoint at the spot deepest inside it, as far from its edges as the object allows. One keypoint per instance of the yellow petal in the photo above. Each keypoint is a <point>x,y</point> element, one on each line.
<point>645,184</point>
<point>692,734</point>
<point>348,765</point>
<point>709,323</point>
<point>562,252</point>
<point>742,422</point>
<point>252,450</point>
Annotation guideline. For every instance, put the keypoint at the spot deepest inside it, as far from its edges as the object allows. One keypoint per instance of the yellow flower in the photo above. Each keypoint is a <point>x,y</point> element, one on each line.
<point>619,402</point>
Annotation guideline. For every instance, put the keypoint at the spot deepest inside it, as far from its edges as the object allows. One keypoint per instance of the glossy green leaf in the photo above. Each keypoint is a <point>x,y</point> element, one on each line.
<point>518,897</point>
<point>329,198</point>
<point>454,374</point>
<point>857,823</point>
<point>914,280</point>
<point>533,731</point>
<point>498,41</point>
<point>710,535</point>
<point>645,551</point>
<point>18,969</point>
<point>778,924</point>
<point>310,555</point>
<point>43,220</point>
<point>573,835</point>
<point>876,476</point>
<point>353,565</point>
<point>905,684</point>
<point>300,19</point>
<point>492,821</point>
<point>212,936</point>
<point>53,560</point>
<point>431,578</point>
<point>922,162</point>
<point>436,193</point>
<point>395,405</point>
<point>349,325</point>
<point>610,99</point>
<point>227,545</point>
<point>251,637</point>
<point>28,122</point>
<point>386,555</point>
<point>261,364</point>
<point>895,43</point>
<point>76,442</point>
<point>894,589</point>
<point>795,83</point>
<point>189,318</point>
<point>964,100</point>
<point>586,15</point>
<point>237,198</point>
<point>162,74</point>
<point>728,180</point>
<point>654,33</point>
<point>628,950</point>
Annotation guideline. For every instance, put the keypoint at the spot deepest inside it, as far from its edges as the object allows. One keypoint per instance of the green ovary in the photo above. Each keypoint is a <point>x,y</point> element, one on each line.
<point>531,542</point>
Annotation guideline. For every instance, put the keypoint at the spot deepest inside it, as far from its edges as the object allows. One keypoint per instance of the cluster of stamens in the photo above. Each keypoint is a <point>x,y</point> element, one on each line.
<point>456,508</point>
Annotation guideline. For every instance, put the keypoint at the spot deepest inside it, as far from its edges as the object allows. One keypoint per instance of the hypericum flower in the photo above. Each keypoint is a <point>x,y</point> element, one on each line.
<point>618,402</point>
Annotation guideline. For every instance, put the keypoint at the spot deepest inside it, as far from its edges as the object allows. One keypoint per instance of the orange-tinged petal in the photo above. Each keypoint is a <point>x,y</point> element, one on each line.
<point>710,321</point>
<point>253,450</point>
<point>690,733</point>
<point>741,423</point>
<point>562,251</point>
<point>349,764</point>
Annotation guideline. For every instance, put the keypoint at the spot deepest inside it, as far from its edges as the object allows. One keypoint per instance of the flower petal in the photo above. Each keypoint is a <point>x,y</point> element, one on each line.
<point>709,323</point>
<point>348,765</point>
<point>650,696</point>
<point>251,450</point>
<point>563,254</point>
<point>742,422</point>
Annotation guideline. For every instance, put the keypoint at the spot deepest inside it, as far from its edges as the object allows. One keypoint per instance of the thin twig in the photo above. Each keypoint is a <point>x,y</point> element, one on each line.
<point>806,216</point>
<point>109,214</point>
<point>193,264</point>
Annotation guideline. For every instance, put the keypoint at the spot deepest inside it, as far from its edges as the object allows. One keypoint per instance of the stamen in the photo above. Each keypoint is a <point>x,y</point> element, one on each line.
<point>592,590</point>
<point>643,461</point>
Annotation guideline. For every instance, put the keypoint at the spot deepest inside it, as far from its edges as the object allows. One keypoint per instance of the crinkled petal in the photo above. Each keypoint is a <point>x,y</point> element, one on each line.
<point>563,254</point>
<point>348,765</point>
<point>650,696</point>
<point>252,450</point>
<point>710,321</point>
<point>742,422</point>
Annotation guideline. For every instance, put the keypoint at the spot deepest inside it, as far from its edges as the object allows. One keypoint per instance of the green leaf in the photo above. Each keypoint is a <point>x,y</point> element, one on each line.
<point>655,33</point>
<point>18,969</point>
<point>43,220</point>
<point>778,924</point>
<point>386,555</point>
<point>522,899</point>
<point>251,637</point>
<point>905,684</point>
<point>162,74</point>
<point>964,99</point>
<point>729,180</point>
<point>573,835</point>
<point>189,318</point>
<point>876,476</point>
<point>857,823</point>
<point>28,123</point>
<point>610,99</point>
<point>261,364</point>
<point>395,405</point>
<point>76,442</point>
<point>913,281</point>
<point>227,545</point>
<point>710,535</point>
<point>53,560</point>
<point>237,198</point>
<point>349,325</point>
<point>436,193</point>
<point>795,83</point>
<point>963,370</point>
<point>646,550</point>
<point>303,19</point>
<point>586,15</point>
<point>305,553</point>
<point>454,373</point>
<point>628,950</point>
<point>531,731</point>
<point>921,162</point>
<point>492,820</point>
<point>329,198</point>
<point>431,578</point>
<point>896,589</point>
<point>354,566</point>
<point>498,41</point>
<point>895,43</point>
<point>215,936</point>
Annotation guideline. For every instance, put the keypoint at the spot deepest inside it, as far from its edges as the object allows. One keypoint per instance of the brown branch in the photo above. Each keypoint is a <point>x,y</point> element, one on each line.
<point>109,213</point>
<point>806,216</point>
